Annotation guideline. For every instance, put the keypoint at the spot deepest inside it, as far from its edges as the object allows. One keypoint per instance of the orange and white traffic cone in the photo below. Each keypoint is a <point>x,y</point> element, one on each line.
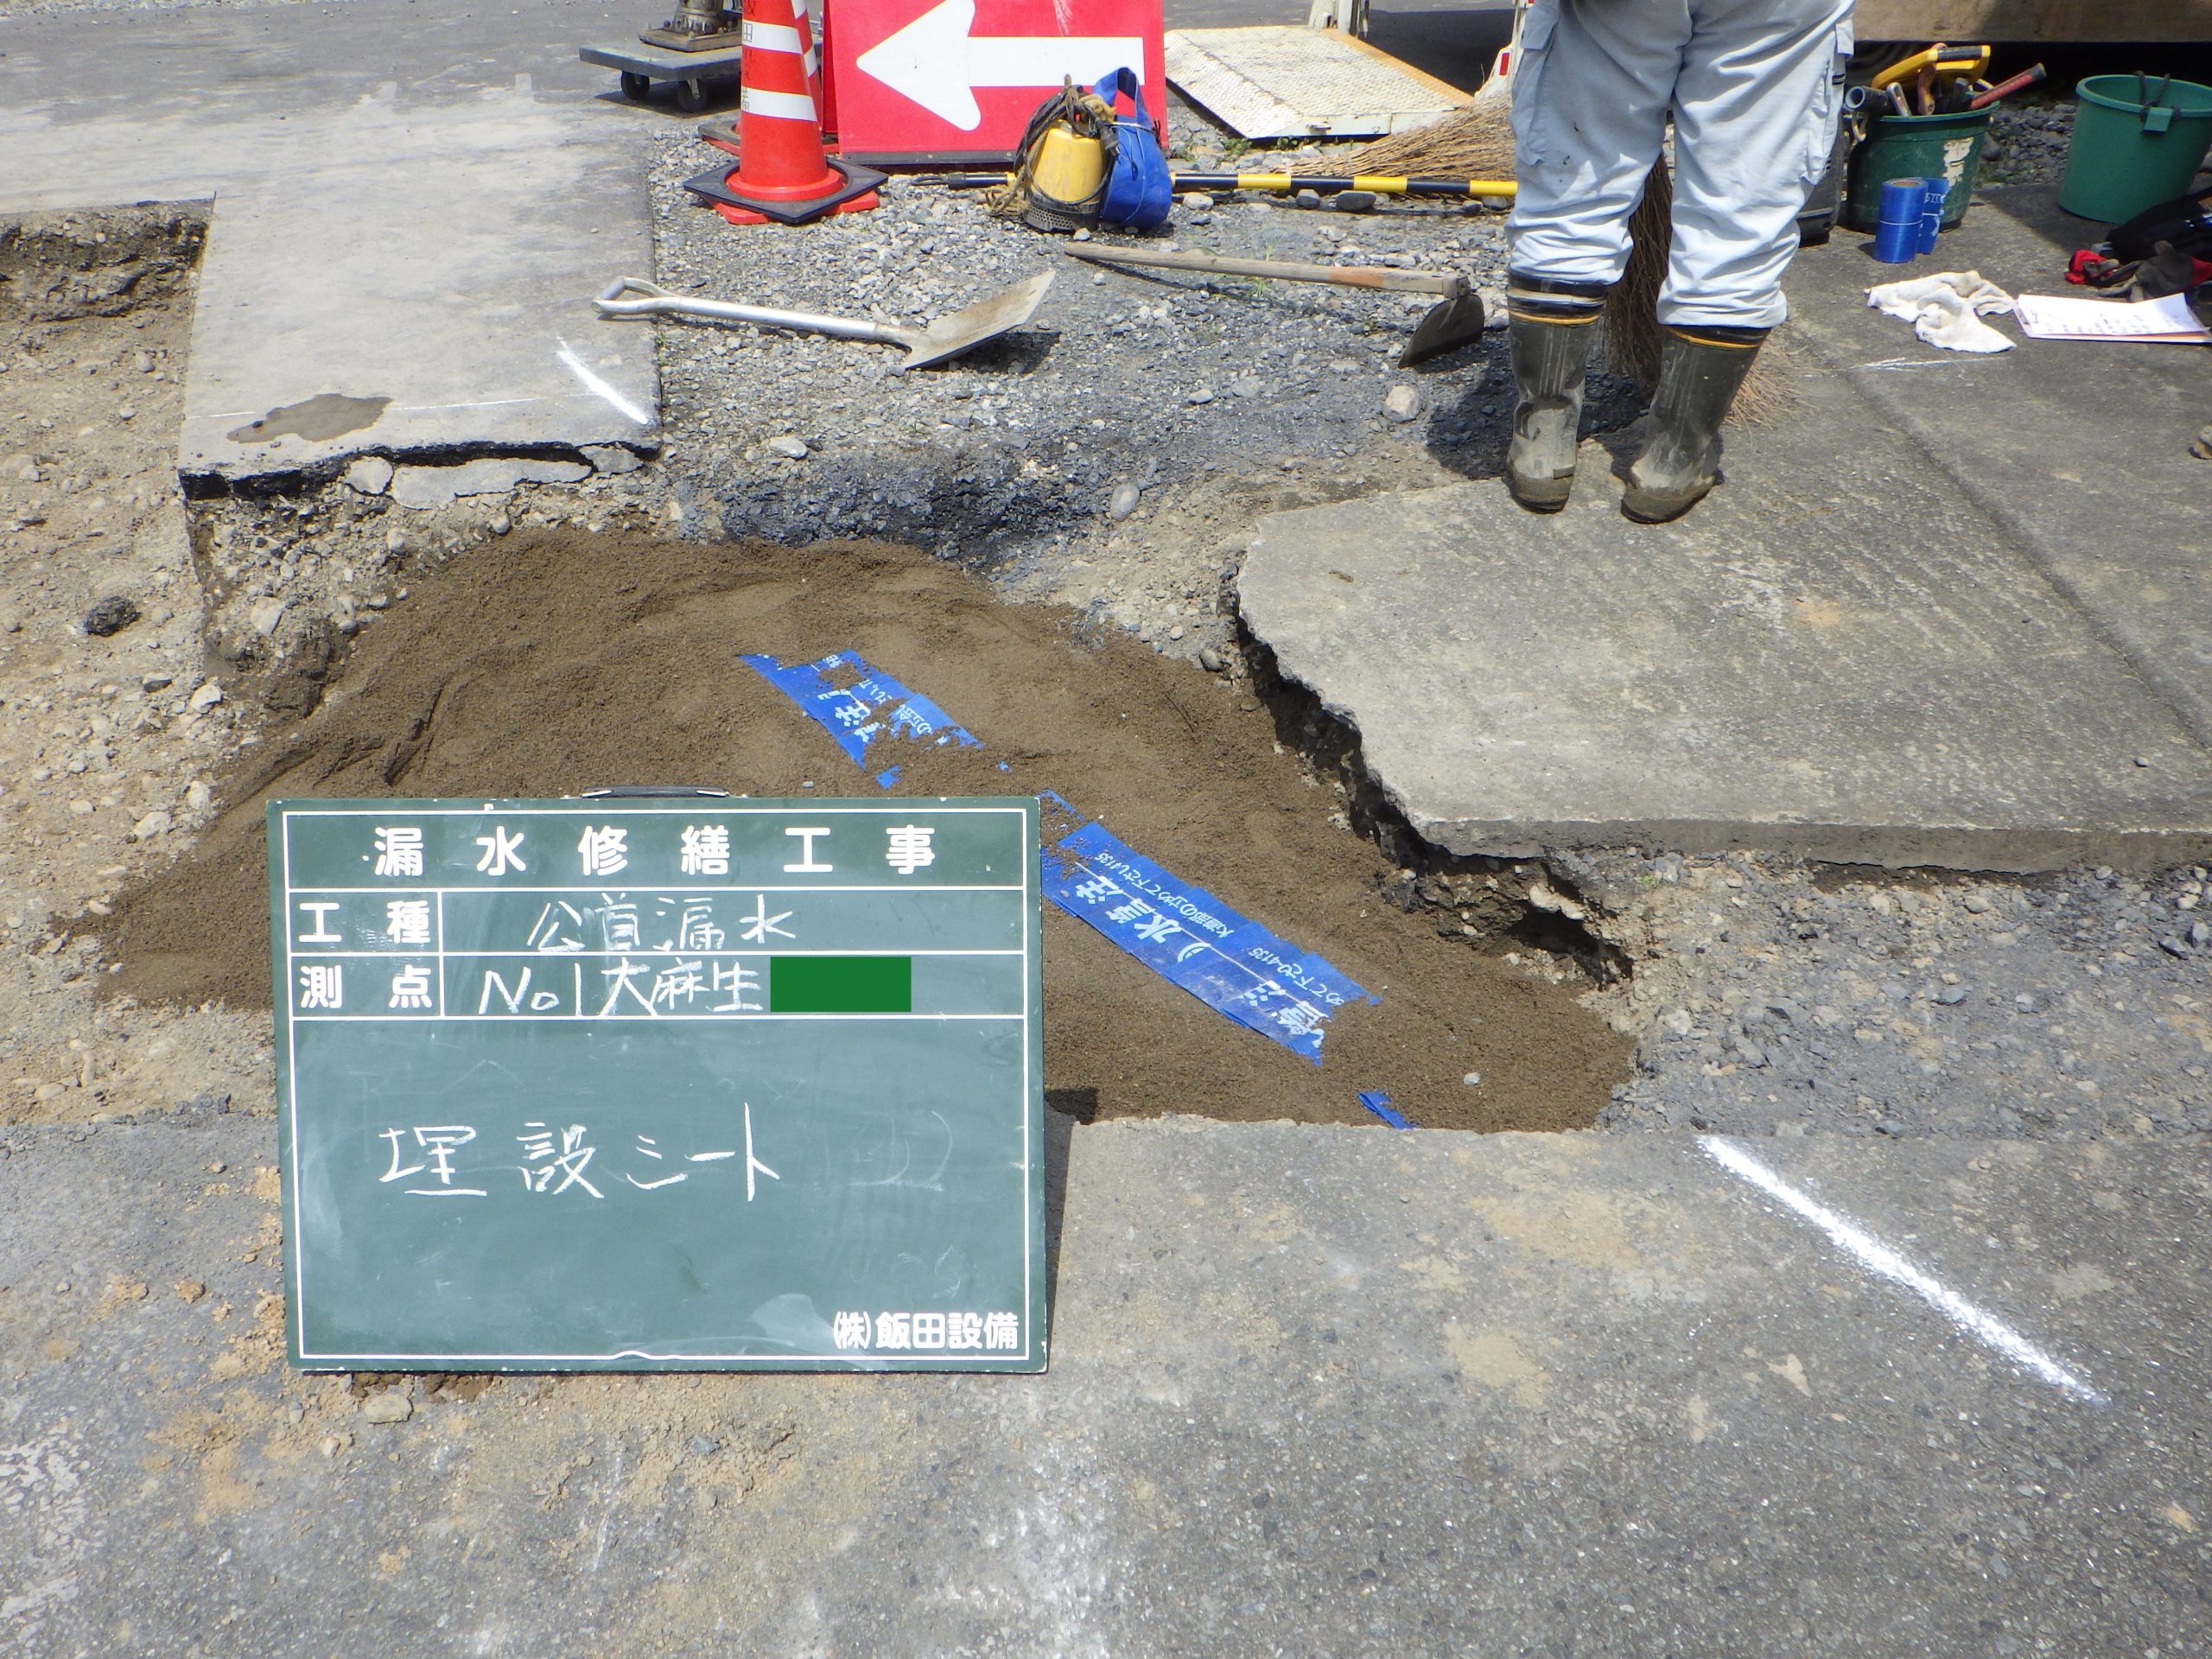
<point>782,175</point>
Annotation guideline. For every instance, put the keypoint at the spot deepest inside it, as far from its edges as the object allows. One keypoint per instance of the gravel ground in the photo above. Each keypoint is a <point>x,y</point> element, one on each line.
<point>1788,999</point>
<point>1201,403</point>
<point>108,739</point>
<point>2027,141</point>
<point>1145,378</point>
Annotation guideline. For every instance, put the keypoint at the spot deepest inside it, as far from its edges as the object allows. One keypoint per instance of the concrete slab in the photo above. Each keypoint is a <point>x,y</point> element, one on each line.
<point>98,69</point>
<point>2079,451</point>
<point>387,274</point>
<point>1340,1391</point>
<point>422,487</point>
<point>465,317</point>
<point>1837,656</point>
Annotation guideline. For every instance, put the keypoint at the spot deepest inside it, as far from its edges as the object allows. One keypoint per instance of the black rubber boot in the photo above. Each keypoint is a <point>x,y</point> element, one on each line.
<point>1700,371</point>
<point>1550,324</point>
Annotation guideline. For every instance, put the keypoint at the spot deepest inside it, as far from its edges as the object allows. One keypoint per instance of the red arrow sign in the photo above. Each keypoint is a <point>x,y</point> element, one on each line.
<point>947,81</point>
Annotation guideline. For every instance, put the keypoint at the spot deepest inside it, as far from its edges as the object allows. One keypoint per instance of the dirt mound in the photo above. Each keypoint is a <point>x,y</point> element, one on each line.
<point>548,664</point>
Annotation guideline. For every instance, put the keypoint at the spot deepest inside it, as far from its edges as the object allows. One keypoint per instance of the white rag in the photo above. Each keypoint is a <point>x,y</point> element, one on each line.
<point>1946,309</point>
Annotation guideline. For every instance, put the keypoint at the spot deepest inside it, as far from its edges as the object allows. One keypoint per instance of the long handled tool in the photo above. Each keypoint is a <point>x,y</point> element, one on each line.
<point>1455,319</point>
<point>945,337</point>
<point>1375,184</point>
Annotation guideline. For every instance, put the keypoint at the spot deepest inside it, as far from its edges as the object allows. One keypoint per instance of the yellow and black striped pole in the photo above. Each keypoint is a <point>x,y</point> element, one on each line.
<point>1374,184</point>
<point>1285,183</point>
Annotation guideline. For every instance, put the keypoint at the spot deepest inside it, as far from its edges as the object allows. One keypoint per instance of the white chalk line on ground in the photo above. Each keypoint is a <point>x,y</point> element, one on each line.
<point>419,408</point>
<point>1888,363</point>
<point>577,366</point>
<point>1878,1258</point>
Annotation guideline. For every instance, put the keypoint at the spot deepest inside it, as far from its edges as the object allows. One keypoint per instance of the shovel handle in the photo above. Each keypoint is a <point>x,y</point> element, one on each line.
<point>1395,282</point>
<point>657,301</point>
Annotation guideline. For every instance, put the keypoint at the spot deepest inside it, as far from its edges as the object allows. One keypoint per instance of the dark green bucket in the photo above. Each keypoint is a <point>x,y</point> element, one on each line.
<point>2137,141</point>
<point>1946,147</point>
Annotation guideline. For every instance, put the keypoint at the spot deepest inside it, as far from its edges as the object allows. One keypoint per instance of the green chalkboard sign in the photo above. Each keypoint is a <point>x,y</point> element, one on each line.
<point>649,1085</point>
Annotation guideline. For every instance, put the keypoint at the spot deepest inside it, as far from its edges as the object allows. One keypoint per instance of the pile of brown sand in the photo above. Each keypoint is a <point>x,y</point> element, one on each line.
<point>546,664</point>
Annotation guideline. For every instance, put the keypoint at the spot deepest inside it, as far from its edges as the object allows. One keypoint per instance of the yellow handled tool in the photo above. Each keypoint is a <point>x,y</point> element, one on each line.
<point>1948,62</point>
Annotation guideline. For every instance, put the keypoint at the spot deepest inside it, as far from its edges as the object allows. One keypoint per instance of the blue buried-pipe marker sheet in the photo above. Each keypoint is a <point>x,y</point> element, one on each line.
<point>1181,932</point>
<point>859,706</point>
<point>1379,1103</point>
<point>1186,935</point>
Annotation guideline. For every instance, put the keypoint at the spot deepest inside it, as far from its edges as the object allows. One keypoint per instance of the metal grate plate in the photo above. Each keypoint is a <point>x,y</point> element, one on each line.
<point>1282,81</point>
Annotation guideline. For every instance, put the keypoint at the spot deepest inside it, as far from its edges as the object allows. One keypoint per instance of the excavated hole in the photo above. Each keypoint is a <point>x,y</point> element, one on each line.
<point>1522,909</point>
<point>99,652</point>
<point>553,661</point>
<point>62,267</point>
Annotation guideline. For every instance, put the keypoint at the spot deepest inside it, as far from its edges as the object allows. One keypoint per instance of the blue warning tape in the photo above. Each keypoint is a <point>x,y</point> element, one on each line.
<point>1379,1103</point>
<point>1182,933</point>
<point>1187,936</point>
<point>870,708</point>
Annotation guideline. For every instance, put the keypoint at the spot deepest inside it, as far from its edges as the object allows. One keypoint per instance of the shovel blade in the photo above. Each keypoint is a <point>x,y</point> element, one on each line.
<point>1450,324</point>
<point>985,320</point>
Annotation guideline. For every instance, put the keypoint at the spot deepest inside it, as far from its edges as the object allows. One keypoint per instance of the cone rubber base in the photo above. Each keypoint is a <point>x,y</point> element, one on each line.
<point>856,193</point>
<point>743,216</point>
<point>722,135</point>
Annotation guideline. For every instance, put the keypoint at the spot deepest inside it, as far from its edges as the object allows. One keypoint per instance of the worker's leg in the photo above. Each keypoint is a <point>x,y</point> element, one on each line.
<point>1755,113</point>
<point>1590,87</point>
<point>1590,91</point>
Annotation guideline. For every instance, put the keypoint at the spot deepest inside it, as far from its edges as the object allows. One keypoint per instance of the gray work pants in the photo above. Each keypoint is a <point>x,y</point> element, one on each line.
<point>1753,86</point>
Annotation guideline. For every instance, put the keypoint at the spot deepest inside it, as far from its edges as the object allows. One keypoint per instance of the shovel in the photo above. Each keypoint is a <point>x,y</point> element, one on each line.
<point>946,337</point>
<point>1455,319</point>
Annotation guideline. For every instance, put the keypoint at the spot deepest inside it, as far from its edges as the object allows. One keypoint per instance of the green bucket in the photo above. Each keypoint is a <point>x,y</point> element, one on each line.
<point>1946,147</point>
<point>2137,143</point>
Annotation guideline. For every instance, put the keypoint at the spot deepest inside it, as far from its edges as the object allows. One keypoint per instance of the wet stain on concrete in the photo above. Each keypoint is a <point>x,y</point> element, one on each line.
<point>326,415</point>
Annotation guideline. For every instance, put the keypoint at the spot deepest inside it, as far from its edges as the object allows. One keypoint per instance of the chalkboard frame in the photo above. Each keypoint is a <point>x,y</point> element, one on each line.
<point>283,818</point>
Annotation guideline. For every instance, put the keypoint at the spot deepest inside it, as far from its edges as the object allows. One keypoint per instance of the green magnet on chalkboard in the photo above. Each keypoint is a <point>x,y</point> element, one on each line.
<point>841,985</point>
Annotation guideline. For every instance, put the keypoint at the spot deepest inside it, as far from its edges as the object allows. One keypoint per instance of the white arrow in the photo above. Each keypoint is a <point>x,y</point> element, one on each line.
<point>938,63</point>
